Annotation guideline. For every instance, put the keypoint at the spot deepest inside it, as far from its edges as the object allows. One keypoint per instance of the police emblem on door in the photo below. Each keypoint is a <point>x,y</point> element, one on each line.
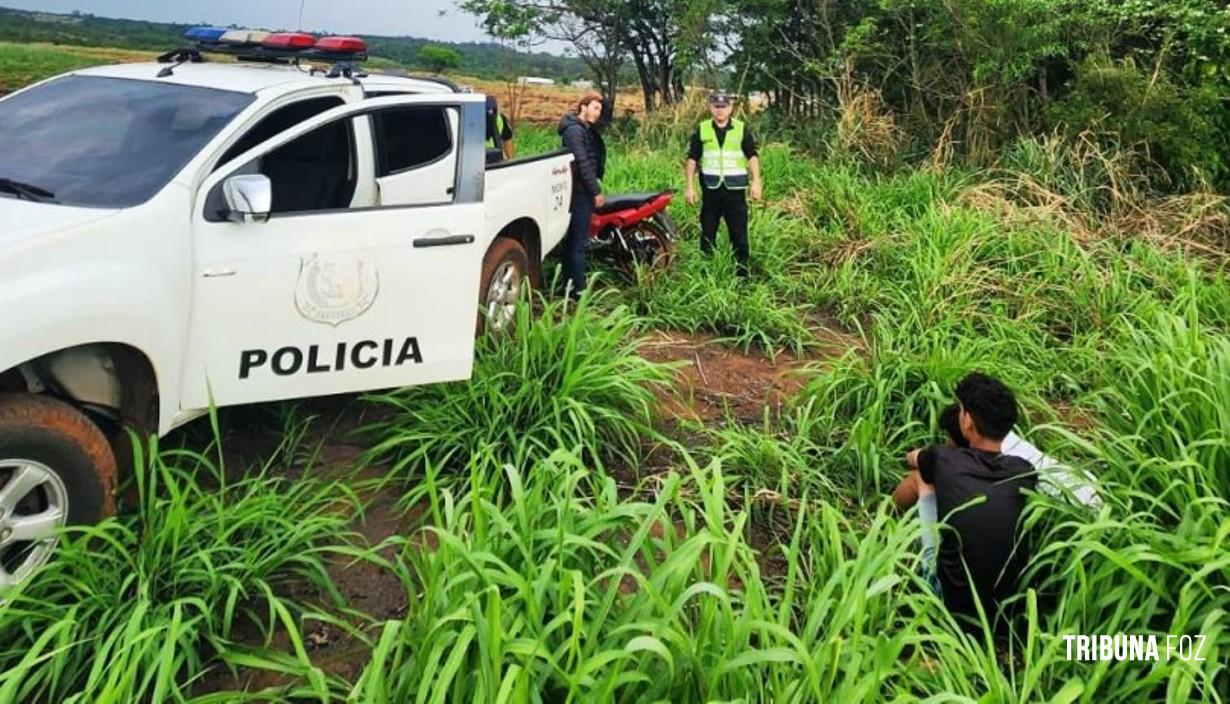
<point>333,289</point>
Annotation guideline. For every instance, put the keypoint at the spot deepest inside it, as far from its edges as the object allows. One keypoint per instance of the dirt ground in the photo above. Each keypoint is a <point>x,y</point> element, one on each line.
<point>714,379</point>
<point>332,451</point>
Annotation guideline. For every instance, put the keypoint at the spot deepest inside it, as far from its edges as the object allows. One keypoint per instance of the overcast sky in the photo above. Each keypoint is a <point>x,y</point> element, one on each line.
<point>416,18</point>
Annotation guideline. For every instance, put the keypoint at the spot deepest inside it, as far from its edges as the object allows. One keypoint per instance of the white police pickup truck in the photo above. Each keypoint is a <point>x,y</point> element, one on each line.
<point>179,234</point>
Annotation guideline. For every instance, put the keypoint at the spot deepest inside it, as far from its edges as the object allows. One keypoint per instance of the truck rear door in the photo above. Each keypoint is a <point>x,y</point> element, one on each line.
<point>325,297</point>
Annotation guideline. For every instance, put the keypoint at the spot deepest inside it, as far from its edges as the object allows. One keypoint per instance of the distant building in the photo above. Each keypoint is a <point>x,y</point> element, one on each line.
<point>582,85</point>
<point>534,81</point>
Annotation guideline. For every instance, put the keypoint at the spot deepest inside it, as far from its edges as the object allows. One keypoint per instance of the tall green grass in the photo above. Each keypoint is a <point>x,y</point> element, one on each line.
<point>544,585</point>
<point>1166,400</point>
<point>1116,349</point>
<point>139,607</point>
<point>1154,559</point>
<point>568,376</point>
<point>759,562</point>
<point>563,591</point>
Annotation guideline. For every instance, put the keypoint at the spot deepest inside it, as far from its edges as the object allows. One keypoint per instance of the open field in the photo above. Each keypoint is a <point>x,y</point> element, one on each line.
<point>677,491</point>
<point>545,105</point>
<point>22,64</point>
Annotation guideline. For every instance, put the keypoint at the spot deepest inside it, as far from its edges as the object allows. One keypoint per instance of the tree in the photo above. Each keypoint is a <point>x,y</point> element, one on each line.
<point>652,31</point>
<point>439,59</point>
<point>593,27</point>
<point>605,34</point>
<point>597,35</point>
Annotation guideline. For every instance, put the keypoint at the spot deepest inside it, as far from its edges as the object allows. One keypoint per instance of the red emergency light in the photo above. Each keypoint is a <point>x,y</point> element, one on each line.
<point>342,45</point>
<point>289,40</point>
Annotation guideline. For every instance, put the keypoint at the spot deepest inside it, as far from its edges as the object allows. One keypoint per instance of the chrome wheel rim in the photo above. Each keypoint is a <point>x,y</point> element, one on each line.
<point>33,509</point>
<point>502,293</point>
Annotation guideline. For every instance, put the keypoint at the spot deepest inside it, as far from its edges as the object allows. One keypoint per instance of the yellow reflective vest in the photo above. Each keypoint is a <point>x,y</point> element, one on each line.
<point>499,129</point>
<point>724,164</point>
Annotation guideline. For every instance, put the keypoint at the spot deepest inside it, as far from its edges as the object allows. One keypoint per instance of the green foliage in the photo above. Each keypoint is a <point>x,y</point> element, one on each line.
<point>964,79</point>
<point>567,378</point>
<point>1190,38</point>
<point>132,609</point>
<point>756,562</point>
<point>1180,129</point>
<point>654,36</point>
<point>438,59</point>
<point>559,589</point>
<point>81,29</point>
<point>21,65</point>
<point>779,455</point>
<point>1165,399</point>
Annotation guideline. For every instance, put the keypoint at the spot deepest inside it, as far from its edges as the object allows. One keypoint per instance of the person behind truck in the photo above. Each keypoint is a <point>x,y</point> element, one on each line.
<point>499,132</point>
<point>579,133</point>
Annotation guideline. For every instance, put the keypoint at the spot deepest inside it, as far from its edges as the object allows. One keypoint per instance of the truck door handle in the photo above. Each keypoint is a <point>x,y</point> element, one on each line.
<point>443,241</point>
<point>217,273</point>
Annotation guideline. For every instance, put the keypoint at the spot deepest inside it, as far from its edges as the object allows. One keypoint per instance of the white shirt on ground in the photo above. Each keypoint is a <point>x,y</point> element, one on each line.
<point>1054,479</point>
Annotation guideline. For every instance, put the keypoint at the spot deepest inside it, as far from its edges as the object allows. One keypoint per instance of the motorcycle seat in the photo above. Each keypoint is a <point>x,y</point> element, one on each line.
<point>626,201</point>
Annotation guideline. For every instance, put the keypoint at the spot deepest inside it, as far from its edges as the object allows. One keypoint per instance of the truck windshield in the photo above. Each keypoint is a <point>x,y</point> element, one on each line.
<point>106,142</point>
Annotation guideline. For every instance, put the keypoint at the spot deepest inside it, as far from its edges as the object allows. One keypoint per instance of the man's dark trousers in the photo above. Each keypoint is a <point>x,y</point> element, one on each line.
<point>717,204</point>
<point>577,240</point>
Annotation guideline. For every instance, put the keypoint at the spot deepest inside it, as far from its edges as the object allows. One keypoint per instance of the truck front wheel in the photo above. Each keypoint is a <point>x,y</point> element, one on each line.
<point>56,470</point>
<point>505,271</point>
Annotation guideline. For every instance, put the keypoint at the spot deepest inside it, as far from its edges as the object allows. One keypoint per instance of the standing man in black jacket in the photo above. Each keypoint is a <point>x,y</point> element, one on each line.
<point>581,137</point>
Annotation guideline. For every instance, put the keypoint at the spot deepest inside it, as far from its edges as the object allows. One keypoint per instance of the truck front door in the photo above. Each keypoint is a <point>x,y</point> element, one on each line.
<point>323,297</point>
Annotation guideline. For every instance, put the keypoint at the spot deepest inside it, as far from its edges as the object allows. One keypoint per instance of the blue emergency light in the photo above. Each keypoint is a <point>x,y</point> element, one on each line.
<point>208,35</point>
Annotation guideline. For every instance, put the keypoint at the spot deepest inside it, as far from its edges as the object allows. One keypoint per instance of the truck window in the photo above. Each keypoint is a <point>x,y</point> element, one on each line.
<point>315,171</point>
<point>108,142</point>
<point>411,137</point>
<point>279,121</point>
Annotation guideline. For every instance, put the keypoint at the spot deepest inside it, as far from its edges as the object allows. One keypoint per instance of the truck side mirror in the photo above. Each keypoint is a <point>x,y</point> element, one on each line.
<point>249,198</point>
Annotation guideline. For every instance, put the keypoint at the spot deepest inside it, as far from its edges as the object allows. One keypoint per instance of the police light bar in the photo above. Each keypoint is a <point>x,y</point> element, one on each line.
<point>276,47</point>
<point>208,35</point>
<point>289,40</point>
<point>342,45</point>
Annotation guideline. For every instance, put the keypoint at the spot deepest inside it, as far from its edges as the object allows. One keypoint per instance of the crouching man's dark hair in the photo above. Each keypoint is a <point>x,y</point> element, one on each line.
<point>991,404</point>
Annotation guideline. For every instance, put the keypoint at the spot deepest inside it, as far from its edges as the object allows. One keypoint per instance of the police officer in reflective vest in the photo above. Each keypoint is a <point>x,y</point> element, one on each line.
<point>729,168</point>
<point>499,132</point>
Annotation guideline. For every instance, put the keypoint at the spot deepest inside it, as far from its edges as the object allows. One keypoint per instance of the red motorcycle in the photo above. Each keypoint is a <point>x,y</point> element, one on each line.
<point>634,229</point>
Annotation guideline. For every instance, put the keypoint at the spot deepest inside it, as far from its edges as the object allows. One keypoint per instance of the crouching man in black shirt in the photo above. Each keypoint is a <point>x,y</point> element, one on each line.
<point>977,494</point>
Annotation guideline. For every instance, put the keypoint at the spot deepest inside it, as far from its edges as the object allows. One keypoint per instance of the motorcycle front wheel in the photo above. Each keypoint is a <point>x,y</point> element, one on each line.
<point>650,245</point>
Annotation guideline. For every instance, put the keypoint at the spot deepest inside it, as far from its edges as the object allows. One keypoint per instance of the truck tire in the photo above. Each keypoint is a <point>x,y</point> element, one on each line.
<point>506,270</point>
<point>56,469</point>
